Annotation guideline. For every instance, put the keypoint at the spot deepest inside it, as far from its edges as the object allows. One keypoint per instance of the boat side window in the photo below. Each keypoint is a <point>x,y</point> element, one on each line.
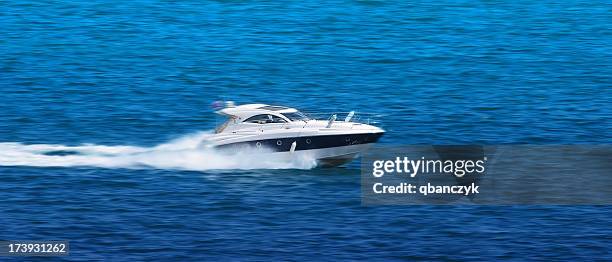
<point>265,119</point>
<point>278,119</point>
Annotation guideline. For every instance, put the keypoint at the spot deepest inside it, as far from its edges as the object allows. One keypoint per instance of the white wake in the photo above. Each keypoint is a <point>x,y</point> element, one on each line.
<point>185,153</point>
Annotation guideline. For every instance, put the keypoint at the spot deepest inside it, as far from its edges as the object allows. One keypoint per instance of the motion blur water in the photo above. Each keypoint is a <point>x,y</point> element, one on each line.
<point>185,153</point>
<point>131,75</point>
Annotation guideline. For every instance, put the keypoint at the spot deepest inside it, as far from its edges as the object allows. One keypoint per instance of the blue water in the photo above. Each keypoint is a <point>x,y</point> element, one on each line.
<point>141,73</point>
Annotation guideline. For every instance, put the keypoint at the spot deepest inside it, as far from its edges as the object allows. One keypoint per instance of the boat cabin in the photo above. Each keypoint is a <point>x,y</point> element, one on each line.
<point>260,114</point>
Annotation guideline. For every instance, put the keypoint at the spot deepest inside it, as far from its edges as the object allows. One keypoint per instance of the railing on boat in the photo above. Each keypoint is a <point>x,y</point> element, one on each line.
<point>351,117</point>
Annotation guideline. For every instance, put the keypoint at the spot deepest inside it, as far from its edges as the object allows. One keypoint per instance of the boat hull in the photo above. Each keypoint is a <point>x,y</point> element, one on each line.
<point>327,150</point>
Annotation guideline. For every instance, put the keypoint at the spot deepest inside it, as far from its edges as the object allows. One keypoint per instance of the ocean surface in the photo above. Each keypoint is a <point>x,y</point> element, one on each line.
<point>102,104</point>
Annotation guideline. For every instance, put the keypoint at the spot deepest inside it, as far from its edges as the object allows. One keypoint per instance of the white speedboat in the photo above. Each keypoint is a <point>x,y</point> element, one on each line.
<point>286,130</point>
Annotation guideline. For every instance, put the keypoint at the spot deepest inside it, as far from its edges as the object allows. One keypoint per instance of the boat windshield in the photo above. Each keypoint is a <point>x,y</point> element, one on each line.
<point>220,128</point>
<point>297,116</point>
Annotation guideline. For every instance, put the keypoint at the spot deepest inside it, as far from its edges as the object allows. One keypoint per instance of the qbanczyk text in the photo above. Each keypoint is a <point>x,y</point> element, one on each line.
<point>406,188</point>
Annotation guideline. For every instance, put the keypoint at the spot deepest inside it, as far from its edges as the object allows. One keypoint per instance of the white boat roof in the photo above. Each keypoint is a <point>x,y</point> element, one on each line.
<point>248,110</point>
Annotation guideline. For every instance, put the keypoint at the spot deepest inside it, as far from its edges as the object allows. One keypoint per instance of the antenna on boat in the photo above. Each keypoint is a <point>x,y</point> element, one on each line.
<point>349,116</point>
<point>331,120</point>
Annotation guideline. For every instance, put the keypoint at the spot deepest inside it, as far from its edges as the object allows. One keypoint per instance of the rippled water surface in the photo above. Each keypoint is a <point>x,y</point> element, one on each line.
<point>116,77</point>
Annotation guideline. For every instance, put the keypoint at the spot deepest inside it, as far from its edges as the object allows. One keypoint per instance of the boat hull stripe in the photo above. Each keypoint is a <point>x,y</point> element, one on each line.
<point>307,142</point>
